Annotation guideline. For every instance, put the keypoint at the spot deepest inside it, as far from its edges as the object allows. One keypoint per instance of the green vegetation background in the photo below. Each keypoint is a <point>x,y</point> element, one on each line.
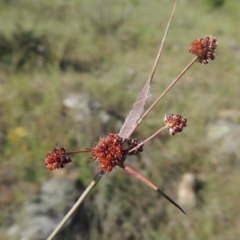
<point>104,50</point>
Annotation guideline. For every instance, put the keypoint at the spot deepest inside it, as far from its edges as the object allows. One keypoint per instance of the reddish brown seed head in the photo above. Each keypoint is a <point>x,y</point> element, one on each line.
<point>109,152</point>
<point>204,48</point>
<point>133,143</point>
<point>57,158</point>
<point>175,123</point>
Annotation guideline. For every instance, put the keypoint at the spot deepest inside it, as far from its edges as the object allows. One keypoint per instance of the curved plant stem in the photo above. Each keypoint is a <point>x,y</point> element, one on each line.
<point>76,205</point>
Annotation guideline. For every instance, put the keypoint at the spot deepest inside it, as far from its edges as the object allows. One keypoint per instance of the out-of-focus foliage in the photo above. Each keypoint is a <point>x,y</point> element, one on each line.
<point>214,3</point>
<point>104,50</point>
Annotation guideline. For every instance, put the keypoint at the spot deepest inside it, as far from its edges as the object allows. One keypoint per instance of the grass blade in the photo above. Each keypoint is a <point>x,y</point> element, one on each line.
<point>137,175</point>
<point>130,121</point>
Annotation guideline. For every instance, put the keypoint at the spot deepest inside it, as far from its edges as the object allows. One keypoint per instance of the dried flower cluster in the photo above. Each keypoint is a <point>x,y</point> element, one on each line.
<point>175,123</point>
<point>204,48</point>
<point>134,145</point>
<point>57,158</point>
<point>110,151</point>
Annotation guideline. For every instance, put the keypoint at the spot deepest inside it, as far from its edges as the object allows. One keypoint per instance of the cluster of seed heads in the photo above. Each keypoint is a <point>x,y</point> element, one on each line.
<point>204,48</point>
<point>175,123</point>
<point>57,158</point>
<point>112,150</point>
<point>109,152</point>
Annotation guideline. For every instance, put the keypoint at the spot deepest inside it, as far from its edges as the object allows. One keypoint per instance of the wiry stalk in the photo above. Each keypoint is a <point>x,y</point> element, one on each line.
<point>166,91</point>
<point>162,44</point>
<point>78,151</point>
<point>77,204</point>
<point>149,138</point>
<point>137,175</point>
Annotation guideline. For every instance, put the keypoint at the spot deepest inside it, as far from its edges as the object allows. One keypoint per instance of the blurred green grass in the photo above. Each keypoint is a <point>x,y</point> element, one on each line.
<point>105,51</point>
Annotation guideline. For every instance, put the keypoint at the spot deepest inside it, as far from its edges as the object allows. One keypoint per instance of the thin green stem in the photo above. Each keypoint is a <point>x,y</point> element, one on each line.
<point>76,205</point>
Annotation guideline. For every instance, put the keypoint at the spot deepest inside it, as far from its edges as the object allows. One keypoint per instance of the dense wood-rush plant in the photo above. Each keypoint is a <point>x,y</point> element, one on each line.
<point>112,150</point>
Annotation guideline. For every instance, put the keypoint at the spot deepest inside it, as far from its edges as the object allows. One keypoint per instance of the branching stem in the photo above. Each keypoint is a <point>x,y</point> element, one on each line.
<point>152,136</point>
<point>166,91</point>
